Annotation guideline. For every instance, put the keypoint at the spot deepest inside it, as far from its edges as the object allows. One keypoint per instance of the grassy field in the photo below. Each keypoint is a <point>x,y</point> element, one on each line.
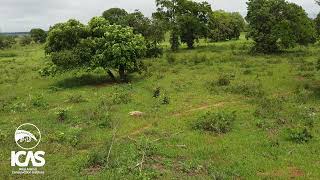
<point>271,103</point>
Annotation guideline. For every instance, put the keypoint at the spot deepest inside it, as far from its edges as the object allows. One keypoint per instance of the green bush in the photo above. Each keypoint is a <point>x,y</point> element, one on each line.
<point>247,89</point>
<point>224,80</point>
<point>300,135</point>
<point>278,24</point>
<point>153,50</point>
<point>121,96</point>
<point>25,40</point>
<point>216,122</point>
<point>76,99</point>
<point>62,114</point>
<point>7,41</point>
<point>171,59</point>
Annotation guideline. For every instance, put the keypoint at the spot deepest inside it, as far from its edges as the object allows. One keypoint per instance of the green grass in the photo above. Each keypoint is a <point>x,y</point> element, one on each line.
<point>273,97</point>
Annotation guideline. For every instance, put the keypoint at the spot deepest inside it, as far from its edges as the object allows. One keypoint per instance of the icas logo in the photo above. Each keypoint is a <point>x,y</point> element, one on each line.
<point>27,136</point>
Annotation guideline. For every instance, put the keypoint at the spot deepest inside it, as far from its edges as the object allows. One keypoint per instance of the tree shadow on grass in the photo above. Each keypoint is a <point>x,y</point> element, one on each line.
<point>85,80</point>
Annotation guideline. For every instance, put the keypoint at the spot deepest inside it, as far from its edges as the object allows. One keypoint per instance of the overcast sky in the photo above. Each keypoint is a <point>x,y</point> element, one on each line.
<point>22,15</point>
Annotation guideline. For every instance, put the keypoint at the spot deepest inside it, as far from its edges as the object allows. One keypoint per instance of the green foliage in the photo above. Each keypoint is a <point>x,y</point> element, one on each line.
<point>38,35</point>
<point>216,122</point>
<point>120,49</point>
<point>153,50</point>
<point>96,45</point>
<point>25,40</point>
<point>62,114</point>
<point>317,22</point>
<point>65,36</point>
<point>277,24</point>
<point>300,135</point>
<point>115,16</point>
<point>225,26</point>
<point>76,99</point>
<point>186,19</point>
<point>7,41</point>
<point>224,80</point>
<point>121,96</point>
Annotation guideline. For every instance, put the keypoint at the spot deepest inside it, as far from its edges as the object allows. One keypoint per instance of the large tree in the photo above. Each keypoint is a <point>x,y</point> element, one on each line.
<point>120,49</point>
<point>278,24</point>
<point>98,44</point>
<point>187,20</point>
<point>225,26</point>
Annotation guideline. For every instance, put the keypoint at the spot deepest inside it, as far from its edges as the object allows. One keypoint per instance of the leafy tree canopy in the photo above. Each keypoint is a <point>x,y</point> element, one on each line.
<point>115,16</point>
<point>186,19</point>
<point>276,24</point>
<point>38,35</point>
<point>225,26</point>
<point>97,44</point>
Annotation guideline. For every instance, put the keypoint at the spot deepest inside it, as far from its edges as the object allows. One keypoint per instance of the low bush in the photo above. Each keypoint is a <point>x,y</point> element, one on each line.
<point>7,41</point>
<point>25,40</point>
<point>153,51</point>
<point>300,135</point>
<point>76,99</point>
<point>216,122</point>
<point>39,101</point>
<point>225,80</point>
<point>247,89</point>
<point>157,92</point>
<point>121,96</point>
<point>62,114</point>
<point>171,59</point>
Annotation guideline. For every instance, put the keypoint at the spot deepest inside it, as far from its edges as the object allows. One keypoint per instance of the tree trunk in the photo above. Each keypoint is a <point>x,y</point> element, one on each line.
<point>111,74</point>
<point>122,73</point>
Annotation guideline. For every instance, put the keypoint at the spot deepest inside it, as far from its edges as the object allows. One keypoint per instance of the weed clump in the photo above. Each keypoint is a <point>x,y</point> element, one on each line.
<point>121,96</point>
<point>38,101</point>
<point>247,89</point>
<point>171,59</point>
<point>76,99</point>
<point>62,114</point>
<point>300,135</point>
<point>224,80</point>
<point>216,122</point>
<point>157,92</point>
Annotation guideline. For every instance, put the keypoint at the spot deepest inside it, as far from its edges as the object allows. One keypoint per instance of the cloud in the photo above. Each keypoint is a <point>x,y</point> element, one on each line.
<point>22,15</point>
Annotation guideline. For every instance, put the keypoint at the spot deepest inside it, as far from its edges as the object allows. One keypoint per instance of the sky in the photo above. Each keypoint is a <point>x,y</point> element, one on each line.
<point>23,15</point>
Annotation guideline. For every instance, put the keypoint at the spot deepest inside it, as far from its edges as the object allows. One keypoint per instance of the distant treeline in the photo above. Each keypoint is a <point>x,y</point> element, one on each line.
<point>15,33</point>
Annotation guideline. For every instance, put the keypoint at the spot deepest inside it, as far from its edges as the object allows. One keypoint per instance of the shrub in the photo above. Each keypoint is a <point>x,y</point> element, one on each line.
<point>171,59</point>
<point>38,101</point>
<point>247,89</point>
<point>49,70</point>
<point>300,135</point>
<point>216,122</point>
<point>105,120</point>
<point>224,80</point>
<point>76,99</point>
<point>165,100</point>
<point>62,114</point>
<point>121,96</point>
<point>157,92</point>
<point>25,40</point>
<point>153,50</point>
<point>96,159</point>
<point>269,107</point>
<point>7,41</point>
